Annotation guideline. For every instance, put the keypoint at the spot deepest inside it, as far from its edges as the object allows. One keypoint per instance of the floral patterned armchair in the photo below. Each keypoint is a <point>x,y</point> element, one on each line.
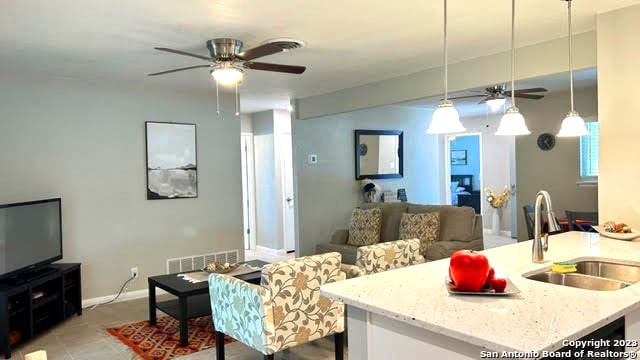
<point>384,256</point>
<point>284,311</point>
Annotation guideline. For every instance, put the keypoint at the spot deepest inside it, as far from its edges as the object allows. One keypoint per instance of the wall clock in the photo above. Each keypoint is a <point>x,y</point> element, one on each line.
<point>546,141</point>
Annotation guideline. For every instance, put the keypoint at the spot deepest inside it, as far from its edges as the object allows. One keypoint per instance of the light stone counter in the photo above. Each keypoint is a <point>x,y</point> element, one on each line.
<point>408,311</point>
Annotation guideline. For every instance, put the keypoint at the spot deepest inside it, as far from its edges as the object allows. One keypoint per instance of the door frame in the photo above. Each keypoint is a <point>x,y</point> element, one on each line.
<point>248,188</point>
<point>447,165</point>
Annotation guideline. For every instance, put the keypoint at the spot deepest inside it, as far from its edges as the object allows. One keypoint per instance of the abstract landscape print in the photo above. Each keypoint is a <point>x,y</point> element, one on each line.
<point>172,171</point>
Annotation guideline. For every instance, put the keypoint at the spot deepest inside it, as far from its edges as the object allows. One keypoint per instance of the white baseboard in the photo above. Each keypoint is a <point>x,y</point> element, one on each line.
<point>270,251</point>
<point>129,295</point>
<point>502,232</point>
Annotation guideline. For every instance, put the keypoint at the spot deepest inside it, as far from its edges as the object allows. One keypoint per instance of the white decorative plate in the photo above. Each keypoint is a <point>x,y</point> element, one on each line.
<point>618,236</point>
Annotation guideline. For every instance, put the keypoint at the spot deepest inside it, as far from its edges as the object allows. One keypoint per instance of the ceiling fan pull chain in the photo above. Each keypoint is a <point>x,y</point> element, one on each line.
<point>217,99</point>
<point>237,101</point>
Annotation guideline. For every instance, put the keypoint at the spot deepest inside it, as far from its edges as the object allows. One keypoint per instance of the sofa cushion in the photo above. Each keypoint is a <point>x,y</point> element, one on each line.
<point>348,252</point>
<point>456,223</point>
<point>444,249</point>
<point>425,226</point>
<point>391,215</point>
<point>364,226</point>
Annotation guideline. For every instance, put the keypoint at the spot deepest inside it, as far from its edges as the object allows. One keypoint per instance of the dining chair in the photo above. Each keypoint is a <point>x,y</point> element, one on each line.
<point>575,218</point>
<point>529,211</point>
<point>285,310</point>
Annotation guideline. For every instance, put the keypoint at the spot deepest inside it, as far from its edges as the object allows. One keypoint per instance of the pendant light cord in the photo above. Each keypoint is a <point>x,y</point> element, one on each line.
<point>446,72</point>
<point>570,54</point>
<point>513,53</point>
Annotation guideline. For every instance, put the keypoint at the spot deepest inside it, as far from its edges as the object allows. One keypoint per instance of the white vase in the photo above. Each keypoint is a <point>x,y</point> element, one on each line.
<point>496,221</point>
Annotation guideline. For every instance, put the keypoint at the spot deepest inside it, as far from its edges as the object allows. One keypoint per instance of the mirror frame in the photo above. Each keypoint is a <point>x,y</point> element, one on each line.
<point>399,174</point>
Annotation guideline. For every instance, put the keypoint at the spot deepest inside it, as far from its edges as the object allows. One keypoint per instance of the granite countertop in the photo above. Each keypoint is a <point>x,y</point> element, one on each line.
<point>537,319</point>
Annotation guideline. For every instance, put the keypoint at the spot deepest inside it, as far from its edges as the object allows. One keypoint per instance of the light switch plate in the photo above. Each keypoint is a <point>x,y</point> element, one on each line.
<point>313,158</point>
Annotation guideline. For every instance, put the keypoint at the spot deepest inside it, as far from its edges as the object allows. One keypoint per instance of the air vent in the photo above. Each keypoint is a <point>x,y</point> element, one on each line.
<point>286,43</point>
<point>196,262</point>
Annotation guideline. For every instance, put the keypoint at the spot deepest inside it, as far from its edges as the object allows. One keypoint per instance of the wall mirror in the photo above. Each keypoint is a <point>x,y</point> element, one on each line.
<point>378,154</point>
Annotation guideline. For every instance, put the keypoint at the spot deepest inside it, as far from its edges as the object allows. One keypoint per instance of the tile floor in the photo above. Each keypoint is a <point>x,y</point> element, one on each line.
<point>261,255</point>
<point>85,338</point>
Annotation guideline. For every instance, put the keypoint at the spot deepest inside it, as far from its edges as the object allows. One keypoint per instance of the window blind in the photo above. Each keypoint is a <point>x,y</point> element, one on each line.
<point>589,151</point>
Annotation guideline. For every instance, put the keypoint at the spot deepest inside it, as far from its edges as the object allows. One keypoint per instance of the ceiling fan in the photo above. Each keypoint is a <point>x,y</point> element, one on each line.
<point>495,96</point>
<point>228,61</point>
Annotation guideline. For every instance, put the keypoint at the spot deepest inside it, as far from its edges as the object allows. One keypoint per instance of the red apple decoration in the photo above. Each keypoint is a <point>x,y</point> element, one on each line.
<point>490,276</point>
<point>468,270</point>
<point>498,284</point>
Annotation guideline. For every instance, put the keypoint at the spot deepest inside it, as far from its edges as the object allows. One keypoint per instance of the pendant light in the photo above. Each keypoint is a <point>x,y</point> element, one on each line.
<point>572,125</point>
<point>445,119</point>
<point>512,122</point>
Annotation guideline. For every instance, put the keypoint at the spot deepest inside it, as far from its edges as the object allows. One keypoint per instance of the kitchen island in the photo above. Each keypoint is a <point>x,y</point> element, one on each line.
<point>408,313</point>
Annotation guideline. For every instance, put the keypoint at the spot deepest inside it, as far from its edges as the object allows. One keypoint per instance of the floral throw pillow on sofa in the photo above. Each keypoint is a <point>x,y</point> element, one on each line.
<point>364,227</point>
<point>425,227</point>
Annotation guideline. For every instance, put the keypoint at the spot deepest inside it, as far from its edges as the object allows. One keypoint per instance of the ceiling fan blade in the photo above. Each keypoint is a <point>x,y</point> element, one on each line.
<point>179,52</point>
<point>466,97</point>
<point>538,89</point>
<point>179,69</point>
<point>291,69</point>
<point>529,96</point>
<point>259,51</point>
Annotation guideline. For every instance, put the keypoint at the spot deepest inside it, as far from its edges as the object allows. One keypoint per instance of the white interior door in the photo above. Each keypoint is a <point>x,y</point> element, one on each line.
<point>287,191</point>
<point>248,191</point>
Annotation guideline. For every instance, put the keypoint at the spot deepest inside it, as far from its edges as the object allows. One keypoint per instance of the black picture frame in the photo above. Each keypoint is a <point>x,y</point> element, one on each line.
<point>458,157</point>
<point>151,195</point>
<point>357,150</point>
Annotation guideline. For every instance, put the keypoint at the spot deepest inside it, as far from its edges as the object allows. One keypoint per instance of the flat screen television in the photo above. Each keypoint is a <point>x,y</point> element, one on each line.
<point>30,236</point>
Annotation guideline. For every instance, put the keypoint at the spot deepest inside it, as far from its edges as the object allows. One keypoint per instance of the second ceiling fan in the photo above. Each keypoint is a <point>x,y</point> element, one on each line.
<point>495,96</point>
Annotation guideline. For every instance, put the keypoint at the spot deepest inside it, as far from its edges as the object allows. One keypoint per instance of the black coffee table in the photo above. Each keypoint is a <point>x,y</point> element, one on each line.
<point>192,298</point>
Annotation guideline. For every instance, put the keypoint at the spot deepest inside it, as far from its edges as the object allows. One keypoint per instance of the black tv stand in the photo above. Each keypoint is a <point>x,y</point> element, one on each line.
<point>35,301</point>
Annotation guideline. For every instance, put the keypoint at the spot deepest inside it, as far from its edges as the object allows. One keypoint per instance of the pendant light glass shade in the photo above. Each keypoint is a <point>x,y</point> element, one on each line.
<point>572,126</point>
<point>512,123</point>
<point>445,120</point>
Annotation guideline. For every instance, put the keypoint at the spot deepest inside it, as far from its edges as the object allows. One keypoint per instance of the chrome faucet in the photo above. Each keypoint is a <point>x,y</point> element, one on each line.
<point>539,246</point>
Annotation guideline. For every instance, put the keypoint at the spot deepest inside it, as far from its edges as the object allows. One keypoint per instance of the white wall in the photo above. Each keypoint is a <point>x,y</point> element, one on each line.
<point>85,143</point>
<point>327,191</point>
<point>246,124</point>
<point>619,114</point>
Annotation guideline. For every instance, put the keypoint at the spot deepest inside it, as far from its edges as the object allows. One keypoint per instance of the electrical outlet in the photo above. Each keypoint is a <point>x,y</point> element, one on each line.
<point>134,272</point>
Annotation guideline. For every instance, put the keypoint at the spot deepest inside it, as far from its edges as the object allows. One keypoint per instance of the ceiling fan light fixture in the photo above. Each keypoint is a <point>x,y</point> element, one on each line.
<point>496,103</point>
<point>445,120</point>
<point>512,123</point>
<point>573,126</point>
<point>227,75</point>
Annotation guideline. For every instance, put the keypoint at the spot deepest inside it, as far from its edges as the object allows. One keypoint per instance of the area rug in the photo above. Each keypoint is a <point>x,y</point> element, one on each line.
<point>162,341</point>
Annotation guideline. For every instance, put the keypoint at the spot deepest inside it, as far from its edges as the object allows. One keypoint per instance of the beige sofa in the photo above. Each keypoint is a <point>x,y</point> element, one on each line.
<point>460,228</point>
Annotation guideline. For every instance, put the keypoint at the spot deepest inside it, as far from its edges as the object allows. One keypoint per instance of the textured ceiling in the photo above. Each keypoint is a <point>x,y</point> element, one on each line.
<point>349,42</point>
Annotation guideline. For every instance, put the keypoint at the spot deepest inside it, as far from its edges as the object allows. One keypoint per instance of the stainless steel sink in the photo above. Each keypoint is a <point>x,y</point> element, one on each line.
<point>610,270</point>
<point>592,274</point>
<point>578,280</point>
